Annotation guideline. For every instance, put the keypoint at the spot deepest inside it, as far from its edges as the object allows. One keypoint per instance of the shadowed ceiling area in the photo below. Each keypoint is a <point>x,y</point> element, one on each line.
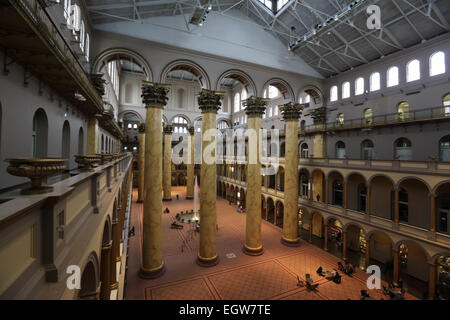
<point>331,36</point>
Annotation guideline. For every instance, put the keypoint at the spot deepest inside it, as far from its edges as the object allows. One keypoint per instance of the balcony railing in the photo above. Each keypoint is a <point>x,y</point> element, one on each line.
<point>435,113</point>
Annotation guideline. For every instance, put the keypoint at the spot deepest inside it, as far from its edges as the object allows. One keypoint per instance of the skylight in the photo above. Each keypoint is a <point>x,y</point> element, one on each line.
<point>268,4</point>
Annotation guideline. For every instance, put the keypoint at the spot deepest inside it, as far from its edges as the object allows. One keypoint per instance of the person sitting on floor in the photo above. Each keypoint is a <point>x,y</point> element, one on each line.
<point>320,271</point>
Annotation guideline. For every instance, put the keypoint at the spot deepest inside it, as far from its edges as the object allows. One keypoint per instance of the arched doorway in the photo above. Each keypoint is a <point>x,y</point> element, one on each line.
<point>335,236</point>
<point>270,210</point>
<point>40,134</point>
<point>356,246</point>
<point>280,214</point>
<point>304,224</point>
<point>316,230</point>
<point>380,253</point>
<point>88,290</point>
<point>65,147</point>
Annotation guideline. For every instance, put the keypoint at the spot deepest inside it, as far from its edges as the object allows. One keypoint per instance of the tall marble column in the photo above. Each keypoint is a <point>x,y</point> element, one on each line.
<point>291,113</point>
<point>92,136</point>
<point>141,163</point>
<point>190,165</point>
<point>255,108</point>
<point>209,103</point>
<point>167,179</point>
<point>154,97</point>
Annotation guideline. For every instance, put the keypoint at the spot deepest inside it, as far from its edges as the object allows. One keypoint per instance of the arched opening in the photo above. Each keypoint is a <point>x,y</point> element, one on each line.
<point>356,193</point>
<point>368,117</point>
<point>318,185</point>
<point>40,134</point>
<point>280,214</point>
<point>403,111</point>
<point>444,149</point>
<point>382,197</point>
<point>413,202</point>
<point>340,150</point>
<point>304,224</point>
<point>65,147</point>
<point>367,150</point>
<point>443,209</point>
<point>413,269</point>
<point>272,179</point>
<point>303,183</point>
<point>263,208</point>
<point>437,63</point>
<point>88,290</point>
<point>280,179</point>
<point>335,237</point>
<point>304,150</point>
<point>402,149</point>
<point>413,70</point>
<point>380,253</point>
<point>336,189</point>
<point>270,210</point>
<point>356,246</point>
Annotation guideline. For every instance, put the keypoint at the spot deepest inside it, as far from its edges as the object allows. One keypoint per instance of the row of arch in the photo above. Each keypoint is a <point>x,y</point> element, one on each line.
<point>201,74</point>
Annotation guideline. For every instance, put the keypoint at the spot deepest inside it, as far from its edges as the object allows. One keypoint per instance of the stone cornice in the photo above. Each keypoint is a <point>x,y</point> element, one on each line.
<point>255,106</point>
<point>154,94</point>
<point>209,101</point>
<point>291,111</point>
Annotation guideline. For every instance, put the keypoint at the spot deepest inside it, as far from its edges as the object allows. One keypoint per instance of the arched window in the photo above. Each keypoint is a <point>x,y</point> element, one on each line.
<point>304,153</point>
<point>392,77</point>
<point>437,63</point>
<point>273,92</point>
<point>81,141</point>
<point>443,207</point>
<point>333,93</point>
<point>65,146</point>
<point>359,86</point>
<point>243,97</point>
<point>446,105</point>
<point>340,119</point>
<point>338,193</point>
<point>367,150</point>
<point>402,205</point>
<point>304,185</point>
<point>413,70</point>
<point>129,93</point>
<point>402,148</point>
<point>180,125</point>
<point>340,150</point>
<point>180,98</point>
<point>346,90</point>
<point>375,81</point>
<point>237,102</point>
<point>362,195</point>
<point>40,134</point>
<point>130,126</point>
<point>135,126</point>
<point>308,99</point>
<point>444,149</point>
<point>368,119</point>
<point>403,111</point>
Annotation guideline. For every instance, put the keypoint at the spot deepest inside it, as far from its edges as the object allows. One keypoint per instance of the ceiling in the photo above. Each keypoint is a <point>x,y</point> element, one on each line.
<point>340,46</point>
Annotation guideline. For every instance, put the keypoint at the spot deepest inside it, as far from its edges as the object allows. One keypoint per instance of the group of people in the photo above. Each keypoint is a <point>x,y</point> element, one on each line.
<point>348,268</point>
<point>330,275</point>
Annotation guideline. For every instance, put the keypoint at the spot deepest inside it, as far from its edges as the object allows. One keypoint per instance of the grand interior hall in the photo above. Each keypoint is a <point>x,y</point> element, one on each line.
<point>225,150</point>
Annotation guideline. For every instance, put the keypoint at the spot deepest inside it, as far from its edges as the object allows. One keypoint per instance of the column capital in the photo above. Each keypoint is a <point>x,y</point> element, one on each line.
<point>191,130</point>
<point>209,100</point>
<point>141,128</point>
<point>168,129</point>
<point>319,115</point>
<point>255,106</point>
<point>154,94</point>
<point>291,111</point>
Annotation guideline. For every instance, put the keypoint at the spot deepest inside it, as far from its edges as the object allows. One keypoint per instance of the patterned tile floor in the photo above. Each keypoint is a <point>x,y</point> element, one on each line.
<point>272,275</point>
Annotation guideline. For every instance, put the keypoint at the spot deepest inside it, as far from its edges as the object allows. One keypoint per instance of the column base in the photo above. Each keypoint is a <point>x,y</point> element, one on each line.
<point>202,262</point>
<point>152,274</point>
<point>167,199</point>
<point>114,286</point>
<point>290,243</point>
<point>252,252</point>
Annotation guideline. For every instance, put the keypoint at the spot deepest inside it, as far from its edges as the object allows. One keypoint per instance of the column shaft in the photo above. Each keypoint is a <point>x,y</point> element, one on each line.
<point>253,245</point>
<point>396,266</point>
<point>152,262</point>
<point>432,281</point>
<point>396,216</point>
<point>290,224</point>
<point>105,276</point>
<point>167,167</point>
<point>190,170</point>
<point>115,254</point>
<point>207,255</point>
<point>432,213</point>
<point>141,165</point>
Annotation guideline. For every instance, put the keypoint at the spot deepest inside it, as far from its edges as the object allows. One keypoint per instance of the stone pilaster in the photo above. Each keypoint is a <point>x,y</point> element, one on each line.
<point>190,165</point>
<point>209,103</point>
<point>105,272</point>
<point>291,113</point>
<point>92,138</point>
<point>255,108</point>
<point>167,178</point>
<point>141,163</point>
<point>154,97</point>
